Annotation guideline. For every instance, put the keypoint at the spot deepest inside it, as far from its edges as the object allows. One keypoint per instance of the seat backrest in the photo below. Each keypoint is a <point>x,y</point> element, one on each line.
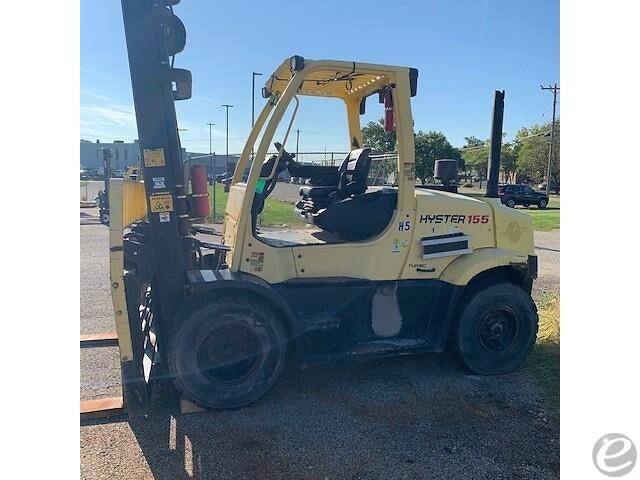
<point>353,173</point>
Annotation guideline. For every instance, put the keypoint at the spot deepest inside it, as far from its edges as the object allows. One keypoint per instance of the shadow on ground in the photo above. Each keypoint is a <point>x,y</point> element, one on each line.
<point>411,417</point>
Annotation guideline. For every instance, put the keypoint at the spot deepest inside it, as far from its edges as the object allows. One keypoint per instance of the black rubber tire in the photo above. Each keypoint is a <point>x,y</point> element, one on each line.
<point>511,203</point>
<point>196,325</point>
<point>476,309</point>
<point>542,204</point>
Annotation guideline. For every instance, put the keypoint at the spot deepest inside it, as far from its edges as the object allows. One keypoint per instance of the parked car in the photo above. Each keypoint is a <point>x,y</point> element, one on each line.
<point>88,173</point>
<point>521,194</point>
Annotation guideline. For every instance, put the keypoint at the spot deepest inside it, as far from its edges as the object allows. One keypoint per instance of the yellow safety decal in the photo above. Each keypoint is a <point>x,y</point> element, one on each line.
<point>154,157</point>
<point>161,203</point>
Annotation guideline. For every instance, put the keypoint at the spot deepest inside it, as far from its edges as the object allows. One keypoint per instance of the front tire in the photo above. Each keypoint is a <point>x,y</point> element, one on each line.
<point>495,329</point>
<point>511,203</point>
<point>227,353</point>
<point>542,203</point>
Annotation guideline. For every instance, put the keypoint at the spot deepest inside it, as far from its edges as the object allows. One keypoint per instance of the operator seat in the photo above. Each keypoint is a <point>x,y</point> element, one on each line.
<point>351,180</point>
<point>347,209</point>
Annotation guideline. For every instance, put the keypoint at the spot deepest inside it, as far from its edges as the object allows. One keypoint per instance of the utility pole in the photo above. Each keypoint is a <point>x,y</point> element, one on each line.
<point>213,171</point>
<point>297,142</point>
<point>227,182</point>
<point>555,90</point>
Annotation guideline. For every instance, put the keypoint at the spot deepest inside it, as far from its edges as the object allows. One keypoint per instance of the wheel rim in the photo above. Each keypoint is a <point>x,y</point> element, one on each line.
<point>543,203</point>
<point>229,354</point>
<point>511,203</point>
<point>497,330</point>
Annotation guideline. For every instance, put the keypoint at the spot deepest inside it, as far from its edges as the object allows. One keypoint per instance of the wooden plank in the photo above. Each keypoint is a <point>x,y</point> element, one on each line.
<point>101,408</point>
<point>109,339</point>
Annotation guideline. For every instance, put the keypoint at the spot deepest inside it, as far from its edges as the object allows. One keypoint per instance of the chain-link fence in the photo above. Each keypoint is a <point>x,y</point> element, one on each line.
<point>383,169</point>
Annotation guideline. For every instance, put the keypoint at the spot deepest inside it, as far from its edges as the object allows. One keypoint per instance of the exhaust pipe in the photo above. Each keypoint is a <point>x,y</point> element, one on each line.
<point>493,169</point>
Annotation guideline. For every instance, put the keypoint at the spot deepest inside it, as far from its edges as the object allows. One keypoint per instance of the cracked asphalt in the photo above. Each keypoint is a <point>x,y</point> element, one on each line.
<point>410,417</point>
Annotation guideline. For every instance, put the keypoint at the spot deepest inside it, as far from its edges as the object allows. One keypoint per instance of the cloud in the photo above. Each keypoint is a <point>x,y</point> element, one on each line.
<point>95,96</point>
<point>200,98</point>
<point>118,115</point>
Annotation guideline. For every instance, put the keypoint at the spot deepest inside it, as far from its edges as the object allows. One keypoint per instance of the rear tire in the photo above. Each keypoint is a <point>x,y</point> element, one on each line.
<point>495,329</point>
<point>542,203</point>
<point>511,203</point>
<point>227,353</point>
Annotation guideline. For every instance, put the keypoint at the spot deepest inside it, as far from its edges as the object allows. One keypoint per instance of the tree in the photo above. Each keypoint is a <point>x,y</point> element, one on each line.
<point>476,157</point>
<point>532,154</point>
<point>377,138</point>
<point>431,146</point>
<point>508,163</point>
<point>475,154</point>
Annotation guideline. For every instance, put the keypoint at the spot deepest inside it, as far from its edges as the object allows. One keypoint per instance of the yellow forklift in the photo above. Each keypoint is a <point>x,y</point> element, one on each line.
<point>385,266</point>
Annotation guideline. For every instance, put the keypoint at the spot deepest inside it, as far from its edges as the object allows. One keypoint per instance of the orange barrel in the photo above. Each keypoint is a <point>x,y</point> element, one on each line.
<point>199,191</point>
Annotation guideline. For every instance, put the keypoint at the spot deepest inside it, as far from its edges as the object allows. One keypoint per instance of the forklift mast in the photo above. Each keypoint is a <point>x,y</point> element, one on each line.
<point>154,36</point>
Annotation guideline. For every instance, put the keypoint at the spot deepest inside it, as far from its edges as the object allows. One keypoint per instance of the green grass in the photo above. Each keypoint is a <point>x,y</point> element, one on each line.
<point>544,361</point>
<point>544,220</point>
<point>547,219</point>
<point>275,211</point>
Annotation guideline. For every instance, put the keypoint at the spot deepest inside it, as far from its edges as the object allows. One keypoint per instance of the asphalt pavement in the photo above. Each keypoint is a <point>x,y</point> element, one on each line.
<point>410,417</point>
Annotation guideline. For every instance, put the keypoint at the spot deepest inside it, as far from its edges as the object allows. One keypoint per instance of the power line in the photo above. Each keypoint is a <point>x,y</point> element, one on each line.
<point>516,139</point>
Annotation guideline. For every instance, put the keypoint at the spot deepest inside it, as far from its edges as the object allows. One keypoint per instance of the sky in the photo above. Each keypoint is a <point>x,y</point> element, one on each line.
<point>464,50</point>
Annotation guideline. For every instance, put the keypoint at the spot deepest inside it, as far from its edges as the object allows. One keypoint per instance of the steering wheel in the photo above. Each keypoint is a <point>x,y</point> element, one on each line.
<point>286,159</point>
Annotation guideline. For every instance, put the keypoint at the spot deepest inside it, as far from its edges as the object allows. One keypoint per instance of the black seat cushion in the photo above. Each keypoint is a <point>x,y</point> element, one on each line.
<point>351,180</point>
<point>354,172</point>
<point>359,217</point>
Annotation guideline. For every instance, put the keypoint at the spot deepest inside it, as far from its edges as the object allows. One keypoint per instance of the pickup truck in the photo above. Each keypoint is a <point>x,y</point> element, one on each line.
<point>521,194</point>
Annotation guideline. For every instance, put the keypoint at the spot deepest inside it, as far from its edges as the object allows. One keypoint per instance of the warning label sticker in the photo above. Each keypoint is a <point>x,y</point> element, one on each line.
<point>154,157</point>
<point>257,261</point>
<point>161,203</point>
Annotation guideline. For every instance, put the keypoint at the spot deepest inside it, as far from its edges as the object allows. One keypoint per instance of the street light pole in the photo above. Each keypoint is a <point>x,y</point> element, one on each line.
<point>213,171</point>
<point>227,182</point>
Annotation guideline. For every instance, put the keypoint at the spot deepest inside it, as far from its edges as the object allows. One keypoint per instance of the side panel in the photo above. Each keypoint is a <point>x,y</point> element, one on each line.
<point>442,213</point>
<point>273,264</point>
<point>464,268</point>
<point>514,229</point>
<point>341,317</point>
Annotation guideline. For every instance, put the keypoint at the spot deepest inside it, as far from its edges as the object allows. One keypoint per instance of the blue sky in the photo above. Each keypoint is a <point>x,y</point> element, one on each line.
<point>463,49</point>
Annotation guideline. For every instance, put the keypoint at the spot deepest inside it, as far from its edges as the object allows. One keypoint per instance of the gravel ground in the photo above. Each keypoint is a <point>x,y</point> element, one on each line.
<point>412,417</point>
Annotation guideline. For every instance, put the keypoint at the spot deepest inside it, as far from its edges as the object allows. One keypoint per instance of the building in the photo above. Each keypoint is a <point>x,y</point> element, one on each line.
<point>122,154</point>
